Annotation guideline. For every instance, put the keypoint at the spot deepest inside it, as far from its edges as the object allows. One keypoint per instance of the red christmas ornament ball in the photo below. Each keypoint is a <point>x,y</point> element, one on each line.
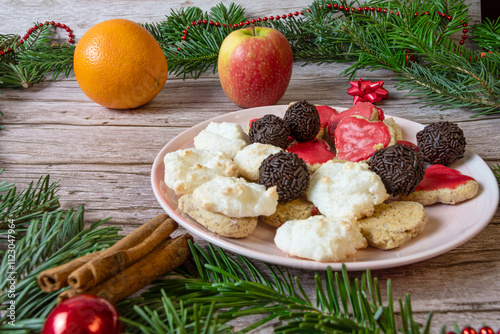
<point>83,314</point>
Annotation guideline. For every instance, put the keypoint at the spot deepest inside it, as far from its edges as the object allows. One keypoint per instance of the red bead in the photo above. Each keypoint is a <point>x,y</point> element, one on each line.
<point>486,330</point>
<point>341,8</point>
<point>242,24</point>
<point>259,19</point>
<point>193,23</point>
<point>397,13</point>
<point>178,48</point>
<point>336,6</point>
<point>329,5</point>
<point>385,10</point>
<point>283,16</point>
<point>372,8</point>
<point>247,23</point>
<point>465,31</point>
<point>360,9</point>
<point>438,13</point>
<point>464,36</point>
<point>302,12</point>
<point>265,18</point>
<point>449,17</point>
<point>70,35</point>
<point>461,42</point>
<point>21,41</point>
<point>63,26</point>
<point>366,9</point>
<point>71,41</point>
<point>254,21</point>
<point>184,31</point>
<point>217,24</point>
<point>278,17</point>
<point>427,12</point>
<point>296,13</point>
<point>205,21</point>
<point>379,9</point>
<point>235,25</point>
<point>290,14</point>
<point>184,37</point>
<point>199,21</point>
<point>308,10</point>
<point>468,330</point>
<point>2,52</point>
<point>391,12</point>
<point>416,14</point>
<point>464,25</point>
<point>443,14</point>
<point>211,22</point>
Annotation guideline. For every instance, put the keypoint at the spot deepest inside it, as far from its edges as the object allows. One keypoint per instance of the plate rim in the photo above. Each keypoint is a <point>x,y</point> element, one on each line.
<point>300,263</point>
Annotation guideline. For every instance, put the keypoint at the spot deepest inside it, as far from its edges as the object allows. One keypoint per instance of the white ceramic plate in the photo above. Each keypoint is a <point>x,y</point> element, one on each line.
<point>449,226</point>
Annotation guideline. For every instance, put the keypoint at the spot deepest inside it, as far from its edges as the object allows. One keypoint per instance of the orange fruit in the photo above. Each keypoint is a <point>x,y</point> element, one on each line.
<point>119,64</point>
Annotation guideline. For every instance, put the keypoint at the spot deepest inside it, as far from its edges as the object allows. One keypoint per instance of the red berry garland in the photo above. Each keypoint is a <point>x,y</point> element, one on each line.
<point>39,26</point>
<point>329,6</point>
<point>470,330</point>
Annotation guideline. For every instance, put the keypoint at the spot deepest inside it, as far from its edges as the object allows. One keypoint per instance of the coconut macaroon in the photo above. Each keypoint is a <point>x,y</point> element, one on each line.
<point>225,137</point>
<point>346,190</point>
<point>320,238</point>
<point>236,198</point>
<point>187,169</point>
<point>249,159</point>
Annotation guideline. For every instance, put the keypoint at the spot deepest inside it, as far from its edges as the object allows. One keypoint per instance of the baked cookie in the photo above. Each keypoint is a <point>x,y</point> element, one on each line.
<point>445,185</point>
<point>299,208</point>
<point>393,225</point>
<point>249,159</point>
<point>224,137</point>
<point>216,222</point>
<point>320,238</point>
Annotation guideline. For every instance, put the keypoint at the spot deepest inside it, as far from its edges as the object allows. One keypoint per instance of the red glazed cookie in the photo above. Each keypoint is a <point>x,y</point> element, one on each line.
<point>314,152</point>
<point>442,184</point>
<point>325,113</point>
<point>357,138</point>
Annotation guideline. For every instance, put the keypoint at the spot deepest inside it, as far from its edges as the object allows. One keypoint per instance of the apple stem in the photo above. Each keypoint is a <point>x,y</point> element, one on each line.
<point>253,29</point>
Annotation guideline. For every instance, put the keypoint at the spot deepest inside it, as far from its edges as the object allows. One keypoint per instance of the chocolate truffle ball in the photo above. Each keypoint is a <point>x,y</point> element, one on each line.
<point>287,172</point>
<point>302,119</point>
<point>441,143</point>
<point>400,167</point>
<point>269,129</point>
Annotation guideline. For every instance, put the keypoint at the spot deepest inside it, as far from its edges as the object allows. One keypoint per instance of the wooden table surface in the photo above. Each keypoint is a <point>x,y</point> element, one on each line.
<point>103,157</point>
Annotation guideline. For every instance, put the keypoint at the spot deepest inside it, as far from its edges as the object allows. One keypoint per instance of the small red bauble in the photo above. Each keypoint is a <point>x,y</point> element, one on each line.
<point>468,330</point>
<point>83,314</point>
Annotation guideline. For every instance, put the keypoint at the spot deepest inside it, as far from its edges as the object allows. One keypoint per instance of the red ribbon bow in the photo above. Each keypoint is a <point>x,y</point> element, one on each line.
<point>364,90</point>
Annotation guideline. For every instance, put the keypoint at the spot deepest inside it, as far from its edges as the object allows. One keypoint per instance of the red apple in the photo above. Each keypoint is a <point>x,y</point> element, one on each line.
<point>83,314</point>
<point>255,66</point>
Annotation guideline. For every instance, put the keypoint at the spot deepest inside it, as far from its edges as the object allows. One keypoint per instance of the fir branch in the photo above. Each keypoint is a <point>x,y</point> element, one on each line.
<point>496,172</point>
<point>28,204</point>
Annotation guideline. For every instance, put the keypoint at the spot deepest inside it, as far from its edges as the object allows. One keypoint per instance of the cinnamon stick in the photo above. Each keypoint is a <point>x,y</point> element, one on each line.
<point>56,278</point>
<point>166,257</point>
<point>105,266</point>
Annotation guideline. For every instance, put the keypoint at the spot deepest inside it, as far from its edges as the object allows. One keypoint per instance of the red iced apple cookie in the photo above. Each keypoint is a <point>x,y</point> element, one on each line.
<point>313,152</point>
<point>365,109</point>
<point>442,184</point>
<point>357,138</point>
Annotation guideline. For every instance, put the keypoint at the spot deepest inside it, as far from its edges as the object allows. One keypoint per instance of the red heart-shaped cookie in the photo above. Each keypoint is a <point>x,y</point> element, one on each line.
<point>357,138</point>
<point>314,151</point>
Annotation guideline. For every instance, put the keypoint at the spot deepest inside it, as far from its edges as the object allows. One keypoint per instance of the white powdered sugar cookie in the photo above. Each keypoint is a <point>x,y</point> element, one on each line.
<point>248,160</point>
<point>187,169</point>
<point>346,190</point>
<point>236,198</point>
<point>320,238</point>
<point>225,137</point>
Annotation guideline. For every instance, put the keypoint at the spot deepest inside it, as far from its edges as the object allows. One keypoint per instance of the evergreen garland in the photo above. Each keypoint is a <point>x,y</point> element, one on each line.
<point>433,67</point>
